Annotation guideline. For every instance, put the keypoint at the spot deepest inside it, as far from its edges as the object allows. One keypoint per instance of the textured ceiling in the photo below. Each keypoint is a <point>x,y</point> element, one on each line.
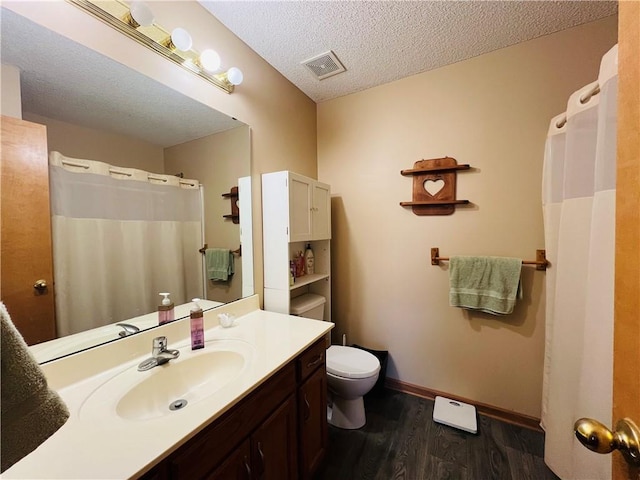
<point>382,41</point>
<point>64,80</point>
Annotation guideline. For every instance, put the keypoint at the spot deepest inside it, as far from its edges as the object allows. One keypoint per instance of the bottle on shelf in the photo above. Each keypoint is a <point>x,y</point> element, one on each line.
<point>309,261</point>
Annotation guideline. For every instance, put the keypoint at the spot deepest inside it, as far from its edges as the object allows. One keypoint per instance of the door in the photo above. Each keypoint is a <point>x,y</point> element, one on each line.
<point>273,445</point>
<point>321,212</point>
<point>626,356</point>
<point>26,256</point>
<point>300,205</point>
<point>312,422</point>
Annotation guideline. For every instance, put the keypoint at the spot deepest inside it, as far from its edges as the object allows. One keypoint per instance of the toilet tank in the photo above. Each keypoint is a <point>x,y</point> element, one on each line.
<point>308,305</point>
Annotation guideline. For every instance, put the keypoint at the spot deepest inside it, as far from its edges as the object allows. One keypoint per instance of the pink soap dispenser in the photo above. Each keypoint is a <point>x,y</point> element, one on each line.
<point>197,325</point>
<point>166,312</point>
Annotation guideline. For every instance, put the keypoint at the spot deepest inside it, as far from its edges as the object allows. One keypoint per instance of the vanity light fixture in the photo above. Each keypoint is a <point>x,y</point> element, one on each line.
<point>138,23</point>
<point>210,60</point>
<point>140,15</point>
<point>179,39</point>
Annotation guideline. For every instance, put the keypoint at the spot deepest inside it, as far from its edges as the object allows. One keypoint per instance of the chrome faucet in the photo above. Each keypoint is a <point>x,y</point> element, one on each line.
<point>160,354</point>
<point>128,329</point>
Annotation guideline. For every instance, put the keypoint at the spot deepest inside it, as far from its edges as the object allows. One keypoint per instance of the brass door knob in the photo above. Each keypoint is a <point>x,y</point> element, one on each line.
<point>40,285</point>
<point>598,438</point>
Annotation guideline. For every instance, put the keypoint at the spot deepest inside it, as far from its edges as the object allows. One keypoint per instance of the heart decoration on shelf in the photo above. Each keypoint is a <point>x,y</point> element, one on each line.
<point>433,187</point>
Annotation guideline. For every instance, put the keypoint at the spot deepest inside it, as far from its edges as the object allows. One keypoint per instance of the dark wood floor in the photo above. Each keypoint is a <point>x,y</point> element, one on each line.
<point>401,441</point>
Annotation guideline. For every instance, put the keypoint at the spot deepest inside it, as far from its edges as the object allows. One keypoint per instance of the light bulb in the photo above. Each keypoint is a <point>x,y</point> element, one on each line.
<point>181,39</point>
<point>234,75</point>
<point>141,14</point>
<point>210,60</point>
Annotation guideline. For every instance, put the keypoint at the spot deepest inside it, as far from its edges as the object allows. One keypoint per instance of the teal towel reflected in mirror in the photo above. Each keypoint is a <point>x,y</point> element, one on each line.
<point>220,264</point>
<point>486,284</point>
<point>31,411</point>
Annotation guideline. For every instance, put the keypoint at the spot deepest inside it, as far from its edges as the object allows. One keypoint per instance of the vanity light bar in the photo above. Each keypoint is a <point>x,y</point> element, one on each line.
<point>115,14</point>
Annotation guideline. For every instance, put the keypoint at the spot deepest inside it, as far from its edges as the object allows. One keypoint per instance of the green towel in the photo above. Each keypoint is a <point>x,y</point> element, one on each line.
<point>31,411</point>
<point>219,264</point>
<point>487,284</point>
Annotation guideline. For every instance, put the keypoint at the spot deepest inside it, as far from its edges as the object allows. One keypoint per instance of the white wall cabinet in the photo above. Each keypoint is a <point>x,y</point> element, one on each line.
<point>296,210</point>
<point>309,206</point>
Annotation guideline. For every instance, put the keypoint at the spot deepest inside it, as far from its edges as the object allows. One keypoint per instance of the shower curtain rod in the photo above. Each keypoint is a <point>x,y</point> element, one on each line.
<point>584,98</point>
<point>540,262</point>
<point>150,176</point>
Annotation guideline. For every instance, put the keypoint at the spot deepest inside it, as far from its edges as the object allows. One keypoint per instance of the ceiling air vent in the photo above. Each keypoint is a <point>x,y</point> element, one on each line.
<point>324,65</point>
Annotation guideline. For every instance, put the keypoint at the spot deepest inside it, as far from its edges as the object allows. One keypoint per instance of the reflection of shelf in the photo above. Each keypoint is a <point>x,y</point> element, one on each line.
<point>435,202</point>
<point>235,211</point>
<point>307,279</point>
<point>420,171</point>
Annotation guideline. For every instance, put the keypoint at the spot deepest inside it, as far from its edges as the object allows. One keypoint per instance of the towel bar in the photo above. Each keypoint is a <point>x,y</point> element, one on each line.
<point>540,262</point>
<point>237,252</point>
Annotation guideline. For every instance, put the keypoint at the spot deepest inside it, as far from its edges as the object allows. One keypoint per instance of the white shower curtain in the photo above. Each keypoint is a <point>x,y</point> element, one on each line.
<point>120,237</point>
<point>579,217</point>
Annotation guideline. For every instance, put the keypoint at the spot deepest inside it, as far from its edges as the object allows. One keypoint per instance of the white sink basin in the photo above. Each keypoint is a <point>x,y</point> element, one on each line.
<point>166,389</point>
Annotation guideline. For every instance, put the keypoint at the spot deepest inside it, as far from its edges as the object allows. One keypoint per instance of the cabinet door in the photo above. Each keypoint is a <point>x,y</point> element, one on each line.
<point>312,422</point>
<point>321,212</point>
<point>300,204</point>
<point>273,445</point>
<point>237,466</point>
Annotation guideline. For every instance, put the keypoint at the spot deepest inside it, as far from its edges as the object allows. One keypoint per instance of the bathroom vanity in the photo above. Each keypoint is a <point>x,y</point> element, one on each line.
<point>277,432</point>
<point>255,404</point>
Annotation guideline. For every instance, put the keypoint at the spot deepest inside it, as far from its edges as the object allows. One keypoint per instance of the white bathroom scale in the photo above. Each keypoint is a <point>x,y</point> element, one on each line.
<point>455,414</point>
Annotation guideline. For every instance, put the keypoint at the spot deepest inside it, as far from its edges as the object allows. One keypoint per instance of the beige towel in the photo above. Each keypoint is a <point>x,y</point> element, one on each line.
<point>31,412</point>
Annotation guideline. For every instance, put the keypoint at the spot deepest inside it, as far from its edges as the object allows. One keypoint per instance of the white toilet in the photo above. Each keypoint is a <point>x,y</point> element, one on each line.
<point>351,372</point>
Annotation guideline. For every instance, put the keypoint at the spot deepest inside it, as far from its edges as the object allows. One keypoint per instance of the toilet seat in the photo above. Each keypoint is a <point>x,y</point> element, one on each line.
<point>350,362</point>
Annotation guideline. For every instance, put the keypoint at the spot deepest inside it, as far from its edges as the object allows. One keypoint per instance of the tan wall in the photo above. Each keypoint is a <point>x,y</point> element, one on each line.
<point>217,161</point>
<point>282,118</point>
<point>11,93</point>
<point>492,112</point>
<point>81,142</point>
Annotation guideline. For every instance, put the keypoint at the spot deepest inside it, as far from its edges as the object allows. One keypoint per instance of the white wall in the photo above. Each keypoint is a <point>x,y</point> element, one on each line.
<point>492,112</point>
<point>77,141</point>
<point>11,93</point>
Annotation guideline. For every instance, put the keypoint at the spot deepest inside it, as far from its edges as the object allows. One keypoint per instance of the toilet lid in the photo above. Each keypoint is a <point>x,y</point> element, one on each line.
<point>351,362</point>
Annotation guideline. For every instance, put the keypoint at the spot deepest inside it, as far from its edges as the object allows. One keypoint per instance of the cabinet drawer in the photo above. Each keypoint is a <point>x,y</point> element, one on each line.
<point>311,359</point>
<point>210,447</point>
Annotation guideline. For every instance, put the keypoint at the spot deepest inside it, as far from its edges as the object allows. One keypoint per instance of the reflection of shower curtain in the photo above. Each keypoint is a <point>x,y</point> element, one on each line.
<point>120,236</point>
<point>579,214</point>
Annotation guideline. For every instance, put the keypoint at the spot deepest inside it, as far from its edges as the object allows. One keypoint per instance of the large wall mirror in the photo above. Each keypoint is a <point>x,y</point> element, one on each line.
<point>97,110</point>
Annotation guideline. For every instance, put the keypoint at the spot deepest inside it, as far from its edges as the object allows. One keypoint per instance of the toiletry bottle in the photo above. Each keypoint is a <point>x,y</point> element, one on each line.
<point>197,326</point>
<point>166,312</point>
<point>292,277</point>
<point>309,261</point>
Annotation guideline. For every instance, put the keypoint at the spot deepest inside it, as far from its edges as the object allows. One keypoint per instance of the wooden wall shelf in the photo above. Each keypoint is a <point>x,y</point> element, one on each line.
<point>418,171</point>
<point>434,186</point>
<point>235,210</point>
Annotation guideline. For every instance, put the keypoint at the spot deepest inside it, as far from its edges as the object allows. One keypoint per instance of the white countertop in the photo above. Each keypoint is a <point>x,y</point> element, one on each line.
<point>89,447</point>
